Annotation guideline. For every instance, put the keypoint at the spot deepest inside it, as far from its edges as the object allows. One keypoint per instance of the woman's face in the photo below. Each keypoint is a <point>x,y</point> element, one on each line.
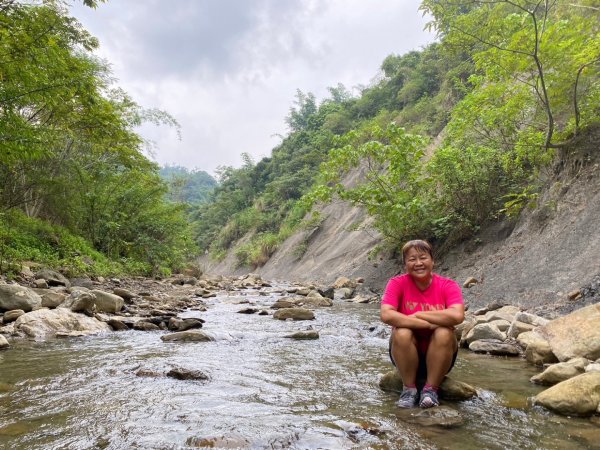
<point>418,265</point>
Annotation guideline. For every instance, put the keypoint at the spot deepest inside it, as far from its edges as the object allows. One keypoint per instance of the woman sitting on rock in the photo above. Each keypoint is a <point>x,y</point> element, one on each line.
<point>423,309</point>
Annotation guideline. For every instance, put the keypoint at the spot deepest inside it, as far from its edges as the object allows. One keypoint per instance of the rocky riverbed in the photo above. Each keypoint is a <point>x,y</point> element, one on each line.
<point>566,349</point>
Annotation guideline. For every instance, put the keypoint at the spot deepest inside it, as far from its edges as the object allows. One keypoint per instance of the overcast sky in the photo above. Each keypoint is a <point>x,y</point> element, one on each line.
<point>228,70</point>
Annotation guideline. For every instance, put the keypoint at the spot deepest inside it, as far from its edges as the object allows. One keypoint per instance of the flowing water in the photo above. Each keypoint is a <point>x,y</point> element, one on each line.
<point>264,391</point>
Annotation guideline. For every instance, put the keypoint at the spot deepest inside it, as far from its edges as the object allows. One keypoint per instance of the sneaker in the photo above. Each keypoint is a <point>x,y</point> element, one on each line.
<point>408,398</point>
<point>429,398</point>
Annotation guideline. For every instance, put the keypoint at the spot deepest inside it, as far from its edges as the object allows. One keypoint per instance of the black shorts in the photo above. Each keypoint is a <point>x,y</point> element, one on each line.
<point>422,369</point>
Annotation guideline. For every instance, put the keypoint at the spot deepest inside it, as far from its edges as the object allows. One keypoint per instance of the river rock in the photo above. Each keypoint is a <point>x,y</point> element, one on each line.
<point>327,292</point>
<point>3,343</point>
<point>501,324</point>
<point>344,282</point>
<point>145,325</point>
<point>594,367</point>
<point>12,315</point>
<point>107,302</point>
<point>83,282</point>
<point>123,293</point>
<point>579,396</point>
<point>45,323</point>
<point>294,314</point>
<point>117,325</point>
<point>516,328</point>
<point>484,331</point>
<point>187,374</point>
<point>40,283</point>
<point>13,296</point>
<point>53,278</point>
<point>346,293</point>
<point>440,416</point>
<point>248,310</point>
<point>283,303</point>
<point>176,324</point>
<point>507,313</point>
<point>494,347</point>
<point>52,299</point>
<point>304,335</point>
<point>537,348</point>
<point>574,335</point>
<point>232,441</point>
<point>531,319</point>
<point>317,301</point>
<point>560,372</point>
<point>187,336</point>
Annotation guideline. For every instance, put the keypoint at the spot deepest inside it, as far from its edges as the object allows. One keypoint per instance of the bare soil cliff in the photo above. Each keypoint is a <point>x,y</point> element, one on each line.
<point>534,262</point>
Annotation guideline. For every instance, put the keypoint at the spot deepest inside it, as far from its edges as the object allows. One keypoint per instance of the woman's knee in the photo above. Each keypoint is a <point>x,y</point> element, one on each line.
<point>443,336</point>
<point>403,337</point>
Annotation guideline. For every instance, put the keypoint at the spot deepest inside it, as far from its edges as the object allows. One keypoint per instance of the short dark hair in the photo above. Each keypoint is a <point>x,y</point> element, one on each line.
<point>418,244</point>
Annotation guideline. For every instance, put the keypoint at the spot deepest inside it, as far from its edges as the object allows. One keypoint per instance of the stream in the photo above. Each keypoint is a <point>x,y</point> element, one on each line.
<point>264,392</point>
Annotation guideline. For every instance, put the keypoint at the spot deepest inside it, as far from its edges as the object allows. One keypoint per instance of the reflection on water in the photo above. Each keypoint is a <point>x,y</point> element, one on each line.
<point>265,391</point>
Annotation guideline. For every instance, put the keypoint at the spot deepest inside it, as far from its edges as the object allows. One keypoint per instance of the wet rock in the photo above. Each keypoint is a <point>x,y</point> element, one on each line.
<point>248,311</point>
<point>283,303</point>
<point>575,335</point>
<point>187,374</point>
<point>3,343</point>
<point>579,396</point>
<point>557,373</point>
<point>53,278</point>
<point>144,325</point>
<point>294,314</point>
<point>304,335</point>
<point>440,416</point>
<point>263,312</point>
<point>538,350</point>
<point>494,347</point>
<point>117,325</point>
<point>176,324</point>
<point>327,292</point>
<point>187,336</point>
<point>12,315</point>
<point>316,301</point>
<point>45,323</point>
<point>148,373</point>
<point>13,296</point>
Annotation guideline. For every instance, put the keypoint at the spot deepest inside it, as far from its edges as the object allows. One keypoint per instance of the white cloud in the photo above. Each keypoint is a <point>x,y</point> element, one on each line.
<point>228,70</point>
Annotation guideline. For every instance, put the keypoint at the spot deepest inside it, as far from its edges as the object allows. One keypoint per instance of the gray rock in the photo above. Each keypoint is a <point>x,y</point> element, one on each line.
<point>507,313</point>
<point>45,323</point>
<point>187,336</point>
<point>83,282</point>
<point>3,343</point>
<point>579,396</point>
<point>144,325</point>
<point>494,347</point>
<point>538,350</point>
<point>40,283</point>
<point>123,293</point>
<point>516,328</point>
<point>18,297</point>
<point>53,278</point>
<point>484,331</point>
<point>117,325</point>
<point>501,324</point>
<point>52,299</point>
<point>294,314</point>
<point>531,319</point>
<point>248,311</point>
<point>317,301</point>
<point>304,335</point>
<point>594,367</point>
<point>283,303</point>
<point>12,315</point>
<point>344,282</point>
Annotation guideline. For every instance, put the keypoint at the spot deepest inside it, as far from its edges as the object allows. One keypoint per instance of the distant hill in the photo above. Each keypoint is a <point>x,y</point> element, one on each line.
<point>187,186</point>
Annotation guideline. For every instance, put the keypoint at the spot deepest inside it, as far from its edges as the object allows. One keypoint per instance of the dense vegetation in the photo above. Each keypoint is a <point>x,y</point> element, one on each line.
<point>509,82</point>
<point>192,187</point>
<point>76,190</point>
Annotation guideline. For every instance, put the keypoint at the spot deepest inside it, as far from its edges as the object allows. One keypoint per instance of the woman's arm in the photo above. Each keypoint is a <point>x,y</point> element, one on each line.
<point>450,317</point>
<point>391,316</point>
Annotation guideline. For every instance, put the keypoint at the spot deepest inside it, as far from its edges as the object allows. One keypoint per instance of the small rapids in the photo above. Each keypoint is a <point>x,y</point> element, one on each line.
<point>264,391</point>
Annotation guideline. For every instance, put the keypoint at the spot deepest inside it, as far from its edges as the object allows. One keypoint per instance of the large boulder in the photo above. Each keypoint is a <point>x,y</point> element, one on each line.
<point>13,296</point>
<point>494,347</point>
<point>575,335</point>
<point>538,350</point>
<point>45,323</point>
<point>96,300</point>
<point>51,299</point>
<point>579,396</point>
<point>107,302</point>
<point>294,314</point>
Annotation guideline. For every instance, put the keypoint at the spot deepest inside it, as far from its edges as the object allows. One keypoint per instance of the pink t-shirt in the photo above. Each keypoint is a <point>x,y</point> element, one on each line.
<point>403,294</point>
